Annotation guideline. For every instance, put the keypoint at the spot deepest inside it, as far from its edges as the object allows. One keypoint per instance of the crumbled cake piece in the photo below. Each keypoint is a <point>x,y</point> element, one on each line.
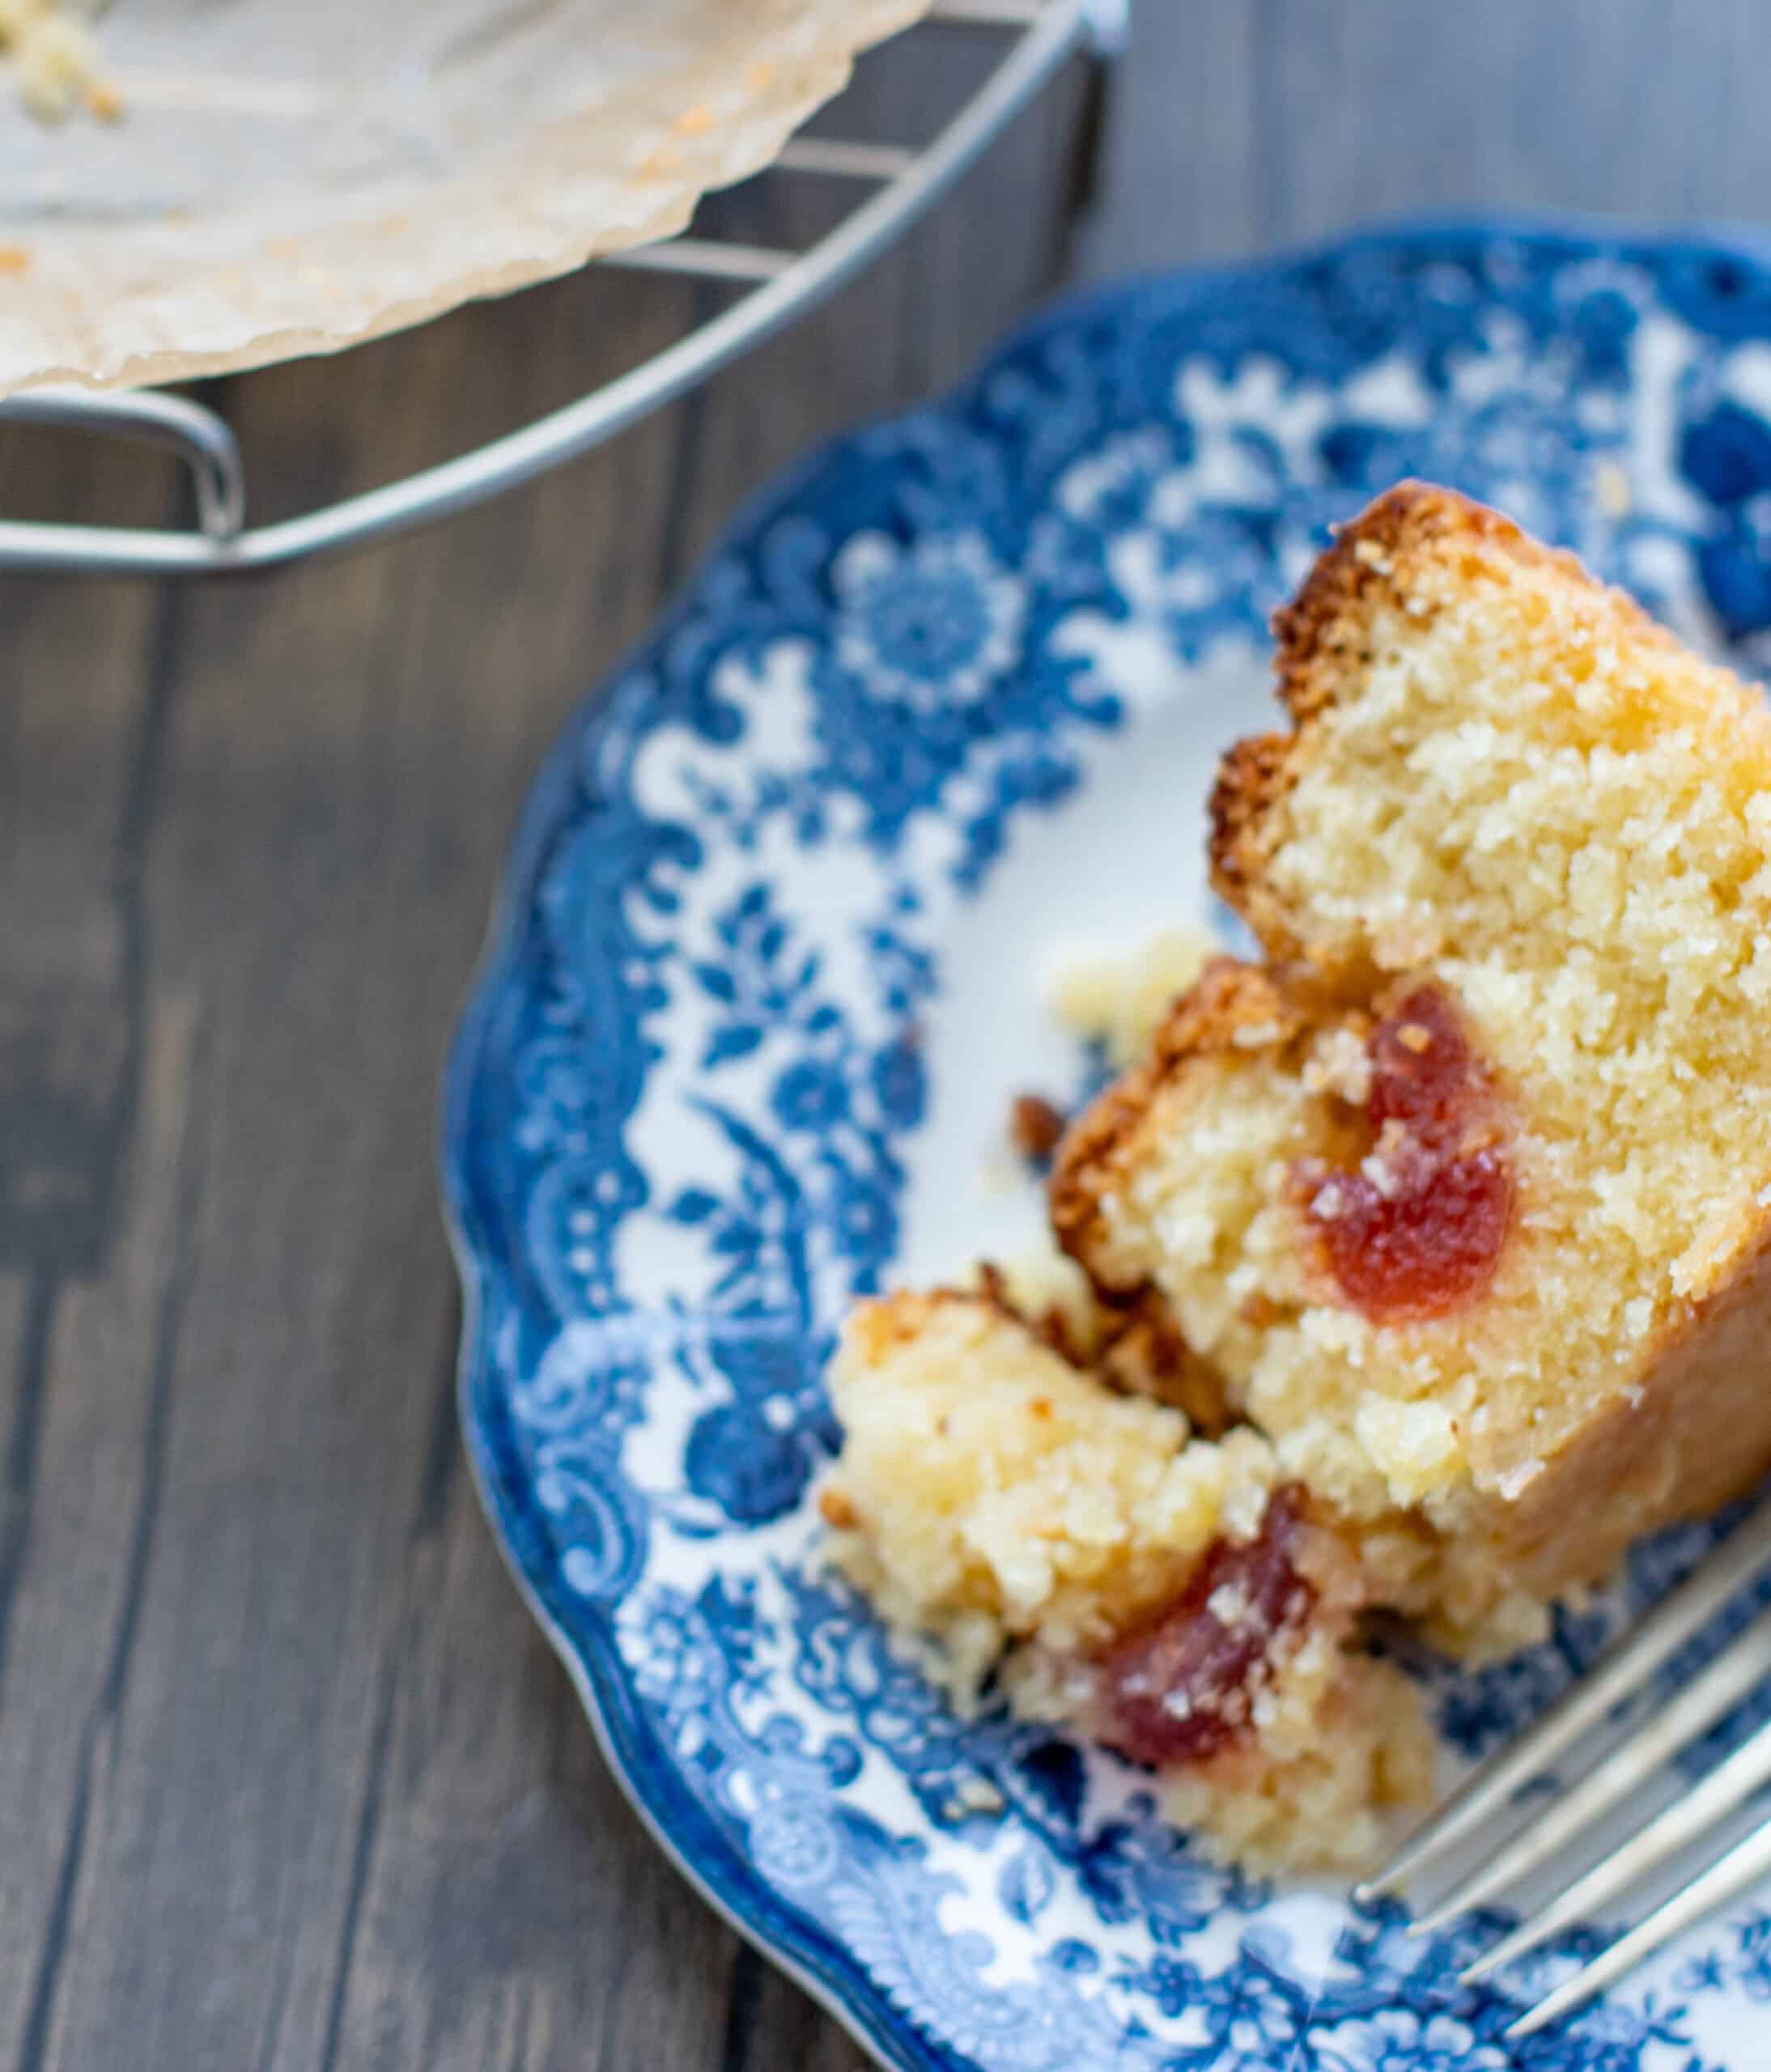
<point>1175,1597</point>
<point>1454,1208</point>
<point>995,1478</point>
<point>1133,1346</point>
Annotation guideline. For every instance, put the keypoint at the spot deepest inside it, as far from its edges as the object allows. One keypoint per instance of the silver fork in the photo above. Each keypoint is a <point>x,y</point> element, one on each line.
<point>1619,1675</point>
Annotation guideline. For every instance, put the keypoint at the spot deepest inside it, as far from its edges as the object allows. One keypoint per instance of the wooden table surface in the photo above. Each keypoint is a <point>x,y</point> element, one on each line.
<point>287,1778</point>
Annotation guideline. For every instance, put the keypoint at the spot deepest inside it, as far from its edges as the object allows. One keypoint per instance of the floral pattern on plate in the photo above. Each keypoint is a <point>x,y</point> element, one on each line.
<point>696,1102</point>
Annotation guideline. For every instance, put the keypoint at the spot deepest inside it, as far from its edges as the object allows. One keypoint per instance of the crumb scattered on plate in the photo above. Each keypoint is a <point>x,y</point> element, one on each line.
<point>1117,998</point>
<point>55,57</point>
<point>1035,1125</point>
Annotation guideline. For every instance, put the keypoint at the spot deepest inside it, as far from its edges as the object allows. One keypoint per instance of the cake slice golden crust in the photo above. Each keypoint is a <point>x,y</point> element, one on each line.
<point>1481,1231</point>
<point>1232,1009</point>
<point>1418,557</point>
<point>1415,550</point>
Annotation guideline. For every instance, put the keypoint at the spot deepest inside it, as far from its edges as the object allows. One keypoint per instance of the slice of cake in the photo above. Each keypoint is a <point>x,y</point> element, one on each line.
<point>1176,1599</point>
<point>1464,1192</point>
<point>1454,1210</point>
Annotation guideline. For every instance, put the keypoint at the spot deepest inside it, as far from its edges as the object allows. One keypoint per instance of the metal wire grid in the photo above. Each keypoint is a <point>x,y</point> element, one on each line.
<point>1039,35</point>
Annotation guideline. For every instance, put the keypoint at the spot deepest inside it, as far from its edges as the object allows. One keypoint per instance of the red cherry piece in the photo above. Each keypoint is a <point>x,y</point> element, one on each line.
<point>1415,1229</point>
<point>1180,1688</point>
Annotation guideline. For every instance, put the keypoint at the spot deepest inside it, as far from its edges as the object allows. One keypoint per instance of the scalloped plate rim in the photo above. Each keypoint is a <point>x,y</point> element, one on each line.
<point>710,1865</point>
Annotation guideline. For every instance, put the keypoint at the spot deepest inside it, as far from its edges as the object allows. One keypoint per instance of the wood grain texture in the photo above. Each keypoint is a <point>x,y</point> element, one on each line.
<point>1248,124</point>
<point>287,1779</point>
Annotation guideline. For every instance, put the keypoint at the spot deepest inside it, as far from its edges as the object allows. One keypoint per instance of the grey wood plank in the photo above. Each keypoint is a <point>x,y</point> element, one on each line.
<point>335,803</point>
<point>78,1603</point>
<point>1247,123</point>
<point>83,1092</point>
<point>287,1780</point>
<point>78,742</point>
<point>515,1911</point>
<point>772,2025</point>
<point>1510,105</point>
<point>1180,157</point>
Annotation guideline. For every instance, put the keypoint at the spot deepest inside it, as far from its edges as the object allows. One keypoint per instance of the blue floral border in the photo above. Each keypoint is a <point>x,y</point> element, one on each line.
<point>1721,287</point>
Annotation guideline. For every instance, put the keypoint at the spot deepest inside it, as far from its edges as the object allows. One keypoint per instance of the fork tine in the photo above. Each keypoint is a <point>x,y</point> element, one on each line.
<point>1630,1659</point>
<point>1721,1793</point>
<point>1744,1866</point>
<point>1741,1665</point>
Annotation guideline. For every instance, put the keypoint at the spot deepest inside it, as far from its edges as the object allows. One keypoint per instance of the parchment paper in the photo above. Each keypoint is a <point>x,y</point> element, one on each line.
<point>293,175</point>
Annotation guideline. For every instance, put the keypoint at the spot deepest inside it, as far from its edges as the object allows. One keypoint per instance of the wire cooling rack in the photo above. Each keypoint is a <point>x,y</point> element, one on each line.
<point>1038,35</point>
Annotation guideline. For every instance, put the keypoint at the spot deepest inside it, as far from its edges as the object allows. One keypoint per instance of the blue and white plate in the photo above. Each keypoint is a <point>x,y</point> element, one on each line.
<point>767,971</point>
